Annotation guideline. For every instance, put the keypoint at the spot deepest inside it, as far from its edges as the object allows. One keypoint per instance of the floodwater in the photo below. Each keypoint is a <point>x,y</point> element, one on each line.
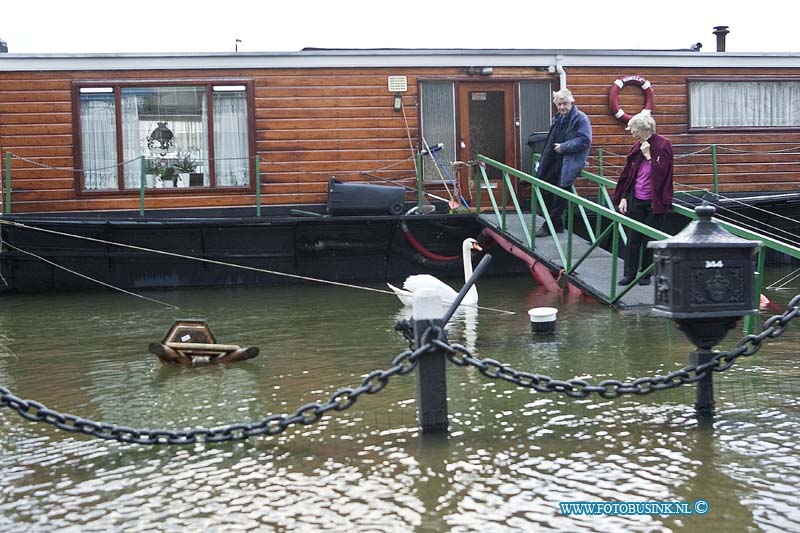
<point>510,457</point>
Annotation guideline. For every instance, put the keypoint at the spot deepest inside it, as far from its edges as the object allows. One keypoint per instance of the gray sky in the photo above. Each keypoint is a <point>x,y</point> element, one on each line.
<point>51,26</point>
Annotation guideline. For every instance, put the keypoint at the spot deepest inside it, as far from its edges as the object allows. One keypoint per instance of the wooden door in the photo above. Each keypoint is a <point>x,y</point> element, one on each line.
<point>486,126</point>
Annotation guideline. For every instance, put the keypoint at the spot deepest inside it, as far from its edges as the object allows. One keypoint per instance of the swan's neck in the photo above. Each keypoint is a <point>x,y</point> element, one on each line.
<point>467,256</point>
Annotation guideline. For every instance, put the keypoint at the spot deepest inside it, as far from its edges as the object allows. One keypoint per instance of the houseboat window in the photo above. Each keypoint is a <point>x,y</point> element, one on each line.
<point>169,127</point>
<point>535,108</point>
<point>438,122</point>
<point>187,135</point>
<point>232,164</point>
<point>98,139</point>
<point>744,103</point>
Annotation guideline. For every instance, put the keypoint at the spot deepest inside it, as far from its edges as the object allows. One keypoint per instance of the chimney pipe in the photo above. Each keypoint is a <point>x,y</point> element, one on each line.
<point>721,32</point>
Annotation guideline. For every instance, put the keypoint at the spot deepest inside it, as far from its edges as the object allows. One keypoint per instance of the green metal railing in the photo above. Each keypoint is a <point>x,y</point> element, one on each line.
<point>604,211</point>
<point>527,219</point>
<point>600,164</point>
<point>142,184</point>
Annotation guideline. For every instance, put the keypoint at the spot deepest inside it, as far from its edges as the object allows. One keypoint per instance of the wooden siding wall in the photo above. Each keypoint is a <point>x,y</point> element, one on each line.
<point>748,161</point>
<point>312,124</point>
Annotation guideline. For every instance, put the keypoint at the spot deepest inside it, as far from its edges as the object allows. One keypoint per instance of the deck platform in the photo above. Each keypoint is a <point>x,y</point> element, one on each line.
<point>594,273</point>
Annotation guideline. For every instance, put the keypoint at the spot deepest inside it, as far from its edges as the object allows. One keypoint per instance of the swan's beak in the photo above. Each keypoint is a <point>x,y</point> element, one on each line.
<point>476,246</point>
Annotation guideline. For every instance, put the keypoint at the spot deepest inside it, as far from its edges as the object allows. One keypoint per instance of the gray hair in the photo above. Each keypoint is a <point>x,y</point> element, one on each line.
<point>565,94</point>
<point>642,121</point>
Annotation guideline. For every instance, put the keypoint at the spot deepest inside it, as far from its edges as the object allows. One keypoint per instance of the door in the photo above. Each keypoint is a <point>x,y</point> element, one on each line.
<point>486,126</point>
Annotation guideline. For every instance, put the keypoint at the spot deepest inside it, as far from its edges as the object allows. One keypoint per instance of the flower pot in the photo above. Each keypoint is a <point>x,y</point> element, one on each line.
<point>196,179</point>
<point>168,183</point>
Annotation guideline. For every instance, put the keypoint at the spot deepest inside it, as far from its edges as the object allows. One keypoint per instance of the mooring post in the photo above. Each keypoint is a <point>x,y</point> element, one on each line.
<point>704,404</point>
<point>431,375</point>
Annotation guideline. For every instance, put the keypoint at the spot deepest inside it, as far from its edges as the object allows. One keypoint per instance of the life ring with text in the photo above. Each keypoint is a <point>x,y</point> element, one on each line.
<point>616,87</point>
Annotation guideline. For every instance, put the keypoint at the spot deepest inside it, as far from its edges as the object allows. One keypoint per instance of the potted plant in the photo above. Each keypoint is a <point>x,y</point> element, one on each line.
<point>152,173</point>
<point>185,167</point>
<point>168,177</point>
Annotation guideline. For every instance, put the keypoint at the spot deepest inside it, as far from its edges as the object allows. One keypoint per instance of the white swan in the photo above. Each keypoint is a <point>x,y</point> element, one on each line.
<point>447,294</point>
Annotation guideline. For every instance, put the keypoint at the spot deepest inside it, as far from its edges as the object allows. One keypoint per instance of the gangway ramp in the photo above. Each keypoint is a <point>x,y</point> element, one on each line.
<point>593,275</point>
<point>588,264</point>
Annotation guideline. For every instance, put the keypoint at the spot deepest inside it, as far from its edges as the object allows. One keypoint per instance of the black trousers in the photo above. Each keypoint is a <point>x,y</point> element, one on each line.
<point>555,204</point>
<point>640,210</point>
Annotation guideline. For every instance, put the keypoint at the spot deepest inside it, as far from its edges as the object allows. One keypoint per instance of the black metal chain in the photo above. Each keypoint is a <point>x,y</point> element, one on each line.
<point>405,362</point>
<point>611,388</point>
<point>305,415</point>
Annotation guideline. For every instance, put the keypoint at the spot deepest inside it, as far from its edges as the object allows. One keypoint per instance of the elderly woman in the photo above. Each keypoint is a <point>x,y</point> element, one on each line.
<point>644,189</point>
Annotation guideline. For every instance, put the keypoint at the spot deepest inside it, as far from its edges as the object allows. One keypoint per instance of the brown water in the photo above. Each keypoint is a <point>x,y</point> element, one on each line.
<point>511,455</point>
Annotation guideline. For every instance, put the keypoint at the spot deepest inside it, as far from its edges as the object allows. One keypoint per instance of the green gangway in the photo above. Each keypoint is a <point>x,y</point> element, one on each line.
<point>591,262</point>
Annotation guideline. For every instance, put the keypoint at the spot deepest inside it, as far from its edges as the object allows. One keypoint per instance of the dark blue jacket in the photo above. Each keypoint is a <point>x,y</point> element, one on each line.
<point>575,148</point>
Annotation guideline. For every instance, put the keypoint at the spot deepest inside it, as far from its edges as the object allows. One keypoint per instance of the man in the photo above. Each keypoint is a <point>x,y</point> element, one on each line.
<point>564,155</point>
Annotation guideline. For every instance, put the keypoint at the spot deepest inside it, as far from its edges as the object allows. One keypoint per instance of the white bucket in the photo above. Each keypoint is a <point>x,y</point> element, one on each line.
<point>543,320</point>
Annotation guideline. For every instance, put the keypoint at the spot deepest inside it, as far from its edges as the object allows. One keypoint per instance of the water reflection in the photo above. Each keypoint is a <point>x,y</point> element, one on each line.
<point>512,454</point>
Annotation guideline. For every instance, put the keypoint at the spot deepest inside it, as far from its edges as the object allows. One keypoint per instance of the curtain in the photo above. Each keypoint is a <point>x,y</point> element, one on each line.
<point>99,142</point>
<point>726,104</point>
<point>438,123</point>
<point>131,141</point>
<point>203,158</point>
<point>231,151</point>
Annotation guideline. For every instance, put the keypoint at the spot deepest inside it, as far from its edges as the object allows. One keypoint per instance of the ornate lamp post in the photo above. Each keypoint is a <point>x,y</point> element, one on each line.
<point>704,280</point>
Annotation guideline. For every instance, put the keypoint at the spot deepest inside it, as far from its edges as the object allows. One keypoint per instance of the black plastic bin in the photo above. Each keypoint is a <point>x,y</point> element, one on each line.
<point>363,199</point>
<point>536,141</point>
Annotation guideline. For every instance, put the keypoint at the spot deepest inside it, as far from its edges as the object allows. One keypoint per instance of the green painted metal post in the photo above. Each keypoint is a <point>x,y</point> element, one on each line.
<point>503,200</point>
<point>614,255</point>
<point>600,162</point>
<point>532,242</point>
<point>420,193</point>
<point>477,176</point>
<point>750,321</point>
<point>598,222</point>
<point>141,185</point>
<point>714,168</point>
<point>570,226</point>
<point>258,186</point>
<point>7,203</point>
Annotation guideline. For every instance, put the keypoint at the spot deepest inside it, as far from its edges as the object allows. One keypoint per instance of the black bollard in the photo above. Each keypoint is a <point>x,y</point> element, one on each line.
<point>431,375</point>
<point>704,280</point>
<point>704,404</point>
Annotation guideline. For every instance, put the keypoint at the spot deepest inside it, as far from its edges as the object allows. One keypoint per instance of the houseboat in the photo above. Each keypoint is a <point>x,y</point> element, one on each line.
<point>235,156</point>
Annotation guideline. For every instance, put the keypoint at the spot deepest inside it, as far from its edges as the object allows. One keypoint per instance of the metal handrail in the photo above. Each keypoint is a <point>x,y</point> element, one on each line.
<point>617,220</point>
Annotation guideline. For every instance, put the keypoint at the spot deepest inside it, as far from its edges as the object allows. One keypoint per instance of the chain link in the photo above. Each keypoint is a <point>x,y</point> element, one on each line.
<point>610,388</point>
<point>403,363</point>
<point>272,425</point>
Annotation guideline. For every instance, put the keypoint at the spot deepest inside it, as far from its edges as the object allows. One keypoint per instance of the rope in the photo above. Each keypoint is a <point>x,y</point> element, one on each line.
<point>91,279</point>
<point>327,173</point>
<point>456,189</point>
<point>763,228</point>
<point>215,262</point>
<point>794,275</point>
<point>408,134</point>
<point>702,150</point>
<point>757,225</point>
<point>438,171</point>
<point>785,150</point>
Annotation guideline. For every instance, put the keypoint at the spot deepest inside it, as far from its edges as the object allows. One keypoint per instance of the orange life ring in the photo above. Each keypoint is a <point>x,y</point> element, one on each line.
<point>616,87</point>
